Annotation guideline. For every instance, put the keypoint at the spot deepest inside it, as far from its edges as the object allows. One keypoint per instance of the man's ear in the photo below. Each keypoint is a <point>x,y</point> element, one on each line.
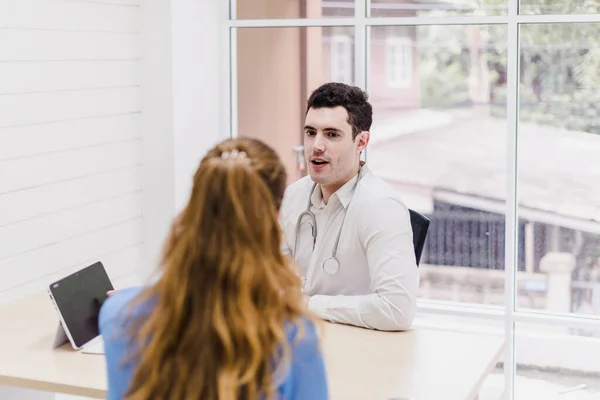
<point>362,140</point>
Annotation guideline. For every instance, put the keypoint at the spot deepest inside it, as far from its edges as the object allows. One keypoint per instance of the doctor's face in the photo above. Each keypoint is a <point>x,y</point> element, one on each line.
<point>332,155</point>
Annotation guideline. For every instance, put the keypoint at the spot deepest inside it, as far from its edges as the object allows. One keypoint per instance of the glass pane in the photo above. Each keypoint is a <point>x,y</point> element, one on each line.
<point>439,136</point>
<point>559,6</point>
<point>493,384</point>
<point>278,68</point>
<point>559,175</point>
<point>430,8</point>
<point>267,9</point>
<point>556,362</point>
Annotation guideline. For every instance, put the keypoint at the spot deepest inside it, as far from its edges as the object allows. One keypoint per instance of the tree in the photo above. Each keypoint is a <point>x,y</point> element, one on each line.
<point>559,65</point>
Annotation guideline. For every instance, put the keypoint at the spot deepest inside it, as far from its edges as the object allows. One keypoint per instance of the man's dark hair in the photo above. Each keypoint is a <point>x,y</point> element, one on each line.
<point>352,98</point>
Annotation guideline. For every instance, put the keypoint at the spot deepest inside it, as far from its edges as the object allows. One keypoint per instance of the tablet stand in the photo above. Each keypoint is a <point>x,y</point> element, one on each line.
<point>60,337</point>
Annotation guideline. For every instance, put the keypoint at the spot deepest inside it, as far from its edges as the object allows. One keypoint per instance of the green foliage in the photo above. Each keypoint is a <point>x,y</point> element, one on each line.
<point>558,6</point>
<point>443,64</point>
<point>441,69</point>
<point>559,66</point>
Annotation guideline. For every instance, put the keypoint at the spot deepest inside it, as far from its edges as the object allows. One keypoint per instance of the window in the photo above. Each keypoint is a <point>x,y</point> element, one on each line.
<point>398,61</point>
<point>341,59</point>
<point>489,103</point>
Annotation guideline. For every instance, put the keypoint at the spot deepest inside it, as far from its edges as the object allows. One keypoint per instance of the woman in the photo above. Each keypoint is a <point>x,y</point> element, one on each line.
<point>226,320</point>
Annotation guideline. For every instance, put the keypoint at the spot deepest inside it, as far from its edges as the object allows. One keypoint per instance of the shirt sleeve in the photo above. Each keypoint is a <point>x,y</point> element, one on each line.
<point>386,235</point>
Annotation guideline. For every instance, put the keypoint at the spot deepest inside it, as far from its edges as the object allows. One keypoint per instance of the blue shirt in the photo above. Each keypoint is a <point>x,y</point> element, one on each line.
<point>306,378</point>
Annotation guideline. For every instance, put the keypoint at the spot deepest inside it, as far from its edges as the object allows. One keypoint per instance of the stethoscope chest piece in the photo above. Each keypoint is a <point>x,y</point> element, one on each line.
<point>331,266</point>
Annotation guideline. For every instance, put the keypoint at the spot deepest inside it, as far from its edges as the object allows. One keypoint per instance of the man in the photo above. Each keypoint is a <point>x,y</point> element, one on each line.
<point>354,247</point>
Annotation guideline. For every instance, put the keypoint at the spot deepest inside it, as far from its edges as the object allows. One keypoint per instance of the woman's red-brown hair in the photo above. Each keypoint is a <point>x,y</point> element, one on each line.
<point>218,329</point>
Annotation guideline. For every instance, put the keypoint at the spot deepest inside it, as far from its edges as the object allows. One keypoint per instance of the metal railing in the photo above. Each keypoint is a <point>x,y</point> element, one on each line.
<point>467,239</point>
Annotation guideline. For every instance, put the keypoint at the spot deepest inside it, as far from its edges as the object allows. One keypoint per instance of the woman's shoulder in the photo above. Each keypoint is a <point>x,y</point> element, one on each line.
<point>303,335</point>
<point>117,307</point>
<point>301,325</point>
<point>306,377</point>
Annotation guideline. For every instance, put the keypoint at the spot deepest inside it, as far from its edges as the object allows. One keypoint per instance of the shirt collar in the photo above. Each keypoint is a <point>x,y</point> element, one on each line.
<point>344,194</point>
<point>316,198</point>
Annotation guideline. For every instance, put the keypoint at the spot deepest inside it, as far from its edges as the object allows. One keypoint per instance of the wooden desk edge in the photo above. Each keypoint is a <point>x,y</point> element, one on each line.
<point>52,387</point>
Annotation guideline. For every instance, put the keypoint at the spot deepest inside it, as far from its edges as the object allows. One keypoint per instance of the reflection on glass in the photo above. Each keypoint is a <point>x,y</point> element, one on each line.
<point>430,8</point>
<point>559,7</point>
<point>278,68</point>
<point>559,153</point>
<point>271,9</point>
<point>437,138</point>
<point>556,362</point>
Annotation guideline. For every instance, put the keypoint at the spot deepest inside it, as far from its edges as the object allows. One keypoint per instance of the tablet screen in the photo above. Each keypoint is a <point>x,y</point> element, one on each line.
<point>78,297</point>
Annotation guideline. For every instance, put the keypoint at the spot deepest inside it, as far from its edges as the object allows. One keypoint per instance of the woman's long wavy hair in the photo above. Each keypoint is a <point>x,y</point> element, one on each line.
<point>218,328</point>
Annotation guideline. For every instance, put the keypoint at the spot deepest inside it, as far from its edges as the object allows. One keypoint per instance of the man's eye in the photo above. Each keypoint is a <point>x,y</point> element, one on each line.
<point>309,133</point>
<point>332,134</point>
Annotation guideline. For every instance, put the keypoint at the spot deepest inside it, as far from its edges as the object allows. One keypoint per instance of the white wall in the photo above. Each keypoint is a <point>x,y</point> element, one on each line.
<point>182,100</point>
<point>106,107</point>
<point>197,39</point>
<point>70,144</point>
<point>79,159</point>
<point>70,140</point>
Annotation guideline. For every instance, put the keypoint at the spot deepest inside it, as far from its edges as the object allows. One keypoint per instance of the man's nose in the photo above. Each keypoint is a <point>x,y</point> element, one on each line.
<point>319,144</point>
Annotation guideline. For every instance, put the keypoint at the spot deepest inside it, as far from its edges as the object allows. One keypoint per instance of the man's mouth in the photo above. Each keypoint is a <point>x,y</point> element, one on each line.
<point>318,162</point>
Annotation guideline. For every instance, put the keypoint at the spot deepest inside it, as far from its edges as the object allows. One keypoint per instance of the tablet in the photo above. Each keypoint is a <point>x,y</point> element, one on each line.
<point>77,298</point>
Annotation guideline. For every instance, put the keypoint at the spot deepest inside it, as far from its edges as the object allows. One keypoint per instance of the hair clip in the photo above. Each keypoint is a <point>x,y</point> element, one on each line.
<point>235,154</point>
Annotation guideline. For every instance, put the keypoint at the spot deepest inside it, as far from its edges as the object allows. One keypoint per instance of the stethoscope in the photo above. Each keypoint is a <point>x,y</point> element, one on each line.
<point>331,265</point>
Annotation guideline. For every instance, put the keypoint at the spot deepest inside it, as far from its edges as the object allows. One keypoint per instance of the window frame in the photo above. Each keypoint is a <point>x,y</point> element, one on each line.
<point>362,23</point>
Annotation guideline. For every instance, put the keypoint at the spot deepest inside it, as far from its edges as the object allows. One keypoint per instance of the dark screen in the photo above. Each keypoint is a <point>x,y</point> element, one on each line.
<point>79,297</point>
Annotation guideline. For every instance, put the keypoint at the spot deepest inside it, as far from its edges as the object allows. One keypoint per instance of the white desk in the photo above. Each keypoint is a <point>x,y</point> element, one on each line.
<point>424,364</point>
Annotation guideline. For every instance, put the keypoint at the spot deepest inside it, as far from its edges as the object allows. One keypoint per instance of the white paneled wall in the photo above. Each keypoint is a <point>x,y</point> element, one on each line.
<point>71,161</point>
<point>106,107</point>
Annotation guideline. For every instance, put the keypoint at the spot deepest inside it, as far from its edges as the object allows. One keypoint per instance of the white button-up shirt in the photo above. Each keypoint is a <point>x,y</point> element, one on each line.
<point>377,281</point>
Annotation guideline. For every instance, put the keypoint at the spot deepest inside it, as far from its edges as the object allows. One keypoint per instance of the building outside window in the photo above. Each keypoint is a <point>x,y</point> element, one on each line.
<point>398,61</point>
<point>341,59</point>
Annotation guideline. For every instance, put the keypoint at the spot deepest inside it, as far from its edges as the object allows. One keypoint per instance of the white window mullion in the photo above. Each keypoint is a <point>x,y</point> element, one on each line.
<point>512,221</point>
<point>233,89</point>
<point>363,20</point>
<point>360,44</point>
<point>361,60</point>
<point>409,21</point>
<point>285,23</point>
<point>557,18</point>
<point>226,42</point>
<point>232,11</point>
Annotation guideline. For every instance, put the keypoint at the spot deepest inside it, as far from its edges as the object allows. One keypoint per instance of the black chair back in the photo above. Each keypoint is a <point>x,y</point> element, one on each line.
<point>420,226</point>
